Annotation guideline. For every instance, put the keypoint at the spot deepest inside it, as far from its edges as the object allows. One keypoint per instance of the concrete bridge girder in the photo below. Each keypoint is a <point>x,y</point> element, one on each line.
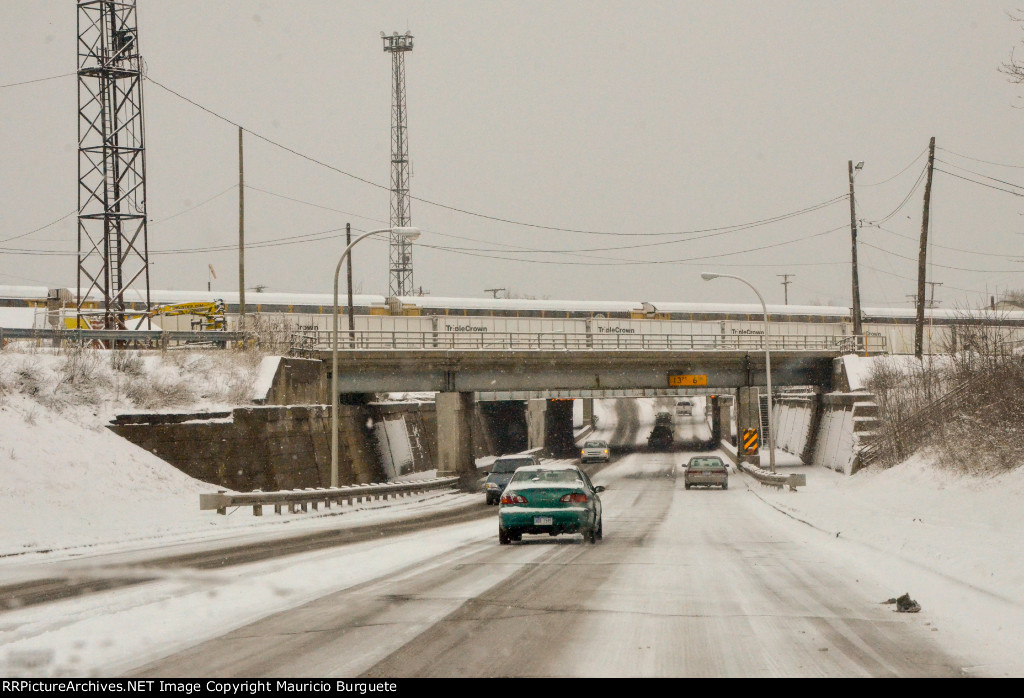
<point>447,371</point>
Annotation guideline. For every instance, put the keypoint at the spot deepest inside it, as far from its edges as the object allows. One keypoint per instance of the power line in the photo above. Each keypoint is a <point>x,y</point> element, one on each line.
<point>193,208</point>
<point>946,266</point>
<point>29,82</point>
<point>987,162</point>
<point>979,174</point>
<point>765,221</point>
<point>652,261</point>
<point>917,183</point>
<point>968,179</point>
<point>42,227</point>
<point>944,247</point>
<point>909,165</point>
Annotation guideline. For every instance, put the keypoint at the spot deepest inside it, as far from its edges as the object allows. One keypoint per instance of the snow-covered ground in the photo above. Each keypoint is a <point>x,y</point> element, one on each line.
<point>955,543</point>
<point>71,487</point>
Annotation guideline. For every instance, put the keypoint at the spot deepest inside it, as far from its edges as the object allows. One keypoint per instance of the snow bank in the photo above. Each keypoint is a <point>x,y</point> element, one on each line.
<point>952,541</point>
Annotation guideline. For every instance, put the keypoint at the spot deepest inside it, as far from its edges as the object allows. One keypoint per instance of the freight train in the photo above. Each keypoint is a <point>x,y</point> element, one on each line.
<point>887,329</point>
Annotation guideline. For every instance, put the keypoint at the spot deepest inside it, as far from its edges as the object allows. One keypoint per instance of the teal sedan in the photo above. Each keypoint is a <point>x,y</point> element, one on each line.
<point>551,499</point>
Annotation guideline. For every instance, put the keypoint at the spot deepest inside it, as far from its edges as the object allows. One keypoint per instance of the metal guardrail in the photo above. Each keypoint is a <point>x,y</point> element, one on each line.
<point>777,480</point>
<point>161,337</point>
<point>297,500</point>
<point>361,340</point>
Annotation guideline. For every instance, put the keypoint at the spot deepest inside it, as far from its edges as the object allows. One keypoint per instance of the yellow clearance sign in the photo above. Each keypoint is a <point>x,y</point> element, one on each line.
<point>687,380</point>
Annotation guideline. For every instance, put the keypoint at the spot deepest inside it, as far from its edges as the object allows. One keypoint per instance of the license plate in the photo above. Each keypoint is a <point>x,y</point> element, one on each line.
<point>543,520</point>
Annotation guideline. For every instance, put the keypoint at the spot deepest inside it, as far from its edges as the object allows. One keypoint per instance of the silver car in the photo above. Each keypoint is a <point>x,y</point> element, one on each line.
<point>706,471</point>
<point>501,473</point>
<point>594,451</point>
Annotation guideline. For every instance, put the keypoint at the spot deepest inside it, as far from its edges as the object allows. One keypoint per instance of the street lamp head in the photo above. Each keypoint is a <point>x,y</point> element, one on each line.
<point>707,275</point>
<point>859,165</point>
<point>406,233</point>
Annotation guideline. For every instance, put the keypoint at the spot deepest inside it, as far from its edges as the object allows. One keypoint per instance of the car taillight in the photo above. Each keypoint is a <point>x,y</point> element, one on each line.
<point>575,498</point>
<point>513,499</point>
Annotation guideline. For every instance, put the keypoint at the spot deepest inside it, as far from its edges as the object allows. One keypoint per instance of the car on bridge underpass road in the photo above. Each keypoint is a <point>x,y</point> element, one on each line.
<point>706,471</point>
<point>594,451</point>
<point>551,499</point>
<point>501,473</point>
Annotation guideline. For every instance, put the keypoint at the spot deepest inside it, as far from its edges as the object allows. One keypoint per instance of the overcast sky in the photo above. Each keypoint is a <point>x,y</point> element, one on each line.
<point>630,119</point>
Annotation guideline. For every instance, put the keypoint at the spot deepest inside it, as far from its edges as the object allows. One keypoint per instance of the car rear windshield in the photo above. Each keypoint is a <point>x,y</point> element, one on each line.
<point>509,465</point>
<point>594,444</point>
<point>544,476</point>
<point>707,463</point>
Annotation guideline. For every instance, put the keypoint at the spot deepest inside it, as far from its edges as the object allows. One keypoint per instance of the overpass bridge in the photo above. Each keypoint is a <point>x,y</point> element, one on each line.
<point>506,365</point>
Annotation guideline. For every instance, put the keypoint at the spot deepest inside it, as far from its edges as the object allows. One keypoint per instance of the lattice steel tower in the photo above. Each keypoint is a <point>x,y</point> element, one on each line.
<point>113,248</point>
<point>400,257</point>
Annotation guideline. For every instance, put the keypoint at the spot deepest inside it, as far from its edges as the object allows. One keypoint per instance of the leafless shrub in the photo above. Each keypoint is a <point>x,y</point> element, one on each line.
<point>272,333</point>
<point>28,378</point>
<point>81,365</point>
<point>128,362</point>
<point>969,404</point>
<point>239,389</point>
<point>158,392</point>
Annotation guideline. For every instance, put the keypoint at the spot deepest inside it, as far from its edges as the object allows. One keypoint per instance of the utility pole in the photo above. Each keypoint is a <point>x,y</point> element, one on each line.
<point>241,235</point>
<point>853,256</point>
<point>494,291</point>
<point>933,284</point>
<point>923,255</point>
<point>785,285</point>
<point>351,317</point>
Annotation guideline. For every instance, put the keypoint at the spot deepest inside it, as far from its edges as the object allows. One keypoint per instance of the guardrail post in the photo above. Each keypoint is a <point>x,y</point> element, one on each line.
<point>257,510</point>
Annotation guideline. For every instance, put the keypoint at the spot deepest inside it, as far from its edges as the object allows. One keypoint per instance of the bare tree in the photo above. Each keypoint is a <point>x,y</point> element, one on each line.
<point>1014,68</point>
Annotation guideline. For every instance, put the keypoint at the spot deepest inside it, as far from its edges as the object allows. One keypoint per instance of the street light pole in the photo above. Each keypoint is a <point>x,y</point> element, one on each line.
<point>708,276</point>
<point>407,233</point>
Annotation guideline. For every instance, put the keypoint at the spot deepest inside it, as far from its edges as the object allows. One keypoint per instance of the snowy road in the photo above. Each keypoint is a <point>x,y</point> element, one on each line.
<point>685,583</point>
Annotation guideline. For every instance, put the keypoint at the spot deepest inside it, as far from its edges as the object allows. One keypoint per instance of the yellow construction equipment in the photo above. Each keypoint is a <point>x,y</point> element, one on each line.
<point>209,315</point>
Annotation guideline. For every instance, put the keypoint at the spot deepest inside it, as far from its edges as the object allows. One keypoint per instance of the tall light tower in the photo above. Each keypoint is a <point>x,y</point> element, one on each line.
<point>400,257</point>
<point>113,246</point>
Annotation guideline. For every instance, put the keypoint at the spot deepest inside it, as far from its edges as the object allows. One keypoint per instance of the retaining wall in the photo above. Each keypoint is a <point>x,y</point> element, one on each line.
<point>288,447</point>
<point>268,448</point>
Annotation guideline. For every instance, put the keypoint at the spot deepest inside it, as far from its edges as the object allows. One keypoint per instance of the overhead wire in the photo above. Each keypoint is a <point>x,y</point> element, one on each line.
<point>917,183</point>
<point>29,82</point>
<point>986,162</point>
<point>945,266</point>
<point>909,165</point>
<point>979,174</point>
<point>193,208</point>
<point>538,226</point>
<point>968,179</point>
<point>541,250</point>
<point>42,227</point>
<point>943,247</point>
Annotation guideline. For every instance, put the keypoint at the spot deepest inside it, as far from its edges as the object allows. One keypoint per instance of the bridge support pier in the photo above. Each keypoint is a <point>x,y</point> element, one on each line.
<point>536,411</point>
<point>455,437</point>
<point>549,426</point>
<point>747,418</point>
<point>715,405</point>
<point>588,410</point>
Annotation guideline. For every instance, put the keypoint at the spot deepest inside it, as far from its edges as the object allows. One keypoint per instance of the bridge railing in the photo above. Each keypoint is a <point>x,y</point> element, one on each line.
<point>365,340</point>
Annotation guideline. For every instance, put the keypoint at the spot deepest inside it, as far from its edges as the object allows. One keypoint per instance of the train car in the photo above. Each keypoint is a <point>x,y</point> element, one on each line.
<point>618,323</point>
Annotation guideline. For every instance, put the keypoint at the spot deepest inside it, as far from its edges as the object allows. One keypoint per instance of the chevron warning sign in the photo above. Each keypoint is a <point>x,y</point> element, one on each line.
<point>750,440</point>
